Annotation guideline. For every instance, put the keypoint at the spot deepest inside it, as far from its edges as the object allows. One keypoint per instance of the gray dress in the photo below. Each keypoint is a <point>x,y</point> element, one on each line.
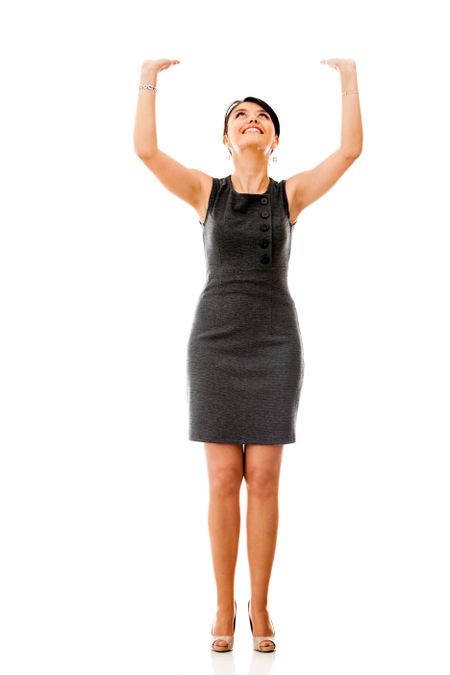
<point>245,360</point>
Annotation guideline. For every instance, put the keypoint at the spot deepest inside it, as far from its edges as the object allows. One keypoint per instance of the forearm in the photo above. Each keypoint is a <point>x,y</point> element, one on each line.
<point>351,133</point>
<point>145,140</point>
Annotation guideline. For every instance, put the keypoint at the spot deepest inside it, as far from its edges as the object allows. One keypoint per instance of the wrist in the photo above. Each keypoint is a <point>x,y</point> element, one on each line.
<point>149,74</point>
<point>348,77</point>
<point>347,66</point>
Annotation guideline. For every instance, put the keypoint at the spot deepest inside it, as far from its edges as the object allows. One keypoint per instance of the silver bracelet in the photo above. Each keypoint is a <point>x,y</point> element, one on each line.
<point>147,86</point>
<point>345,93</point>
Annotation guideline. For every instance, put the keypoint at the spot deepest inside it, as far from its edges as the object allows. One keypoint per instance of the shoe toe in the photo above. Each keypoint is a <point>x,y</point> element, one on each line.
<point>227,639</point>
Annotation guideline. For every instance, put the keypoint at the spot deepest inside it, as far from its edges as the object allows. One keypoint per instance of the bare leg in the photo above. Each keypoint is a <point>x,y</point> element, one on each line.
<point>225,471</point>
<point>262,472</point>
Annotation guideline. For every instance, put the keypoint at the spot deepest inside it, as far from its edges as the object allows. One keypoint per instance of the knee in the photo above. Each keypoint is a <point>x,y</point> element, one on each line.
<point>262,482</point>
<point>226,482</point>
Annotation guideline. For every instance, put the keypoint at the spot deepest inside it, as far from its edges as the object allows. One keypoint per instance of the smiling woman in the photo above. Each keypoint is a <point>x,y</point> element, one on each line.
<point>263,112</point>
<point>245,361</point>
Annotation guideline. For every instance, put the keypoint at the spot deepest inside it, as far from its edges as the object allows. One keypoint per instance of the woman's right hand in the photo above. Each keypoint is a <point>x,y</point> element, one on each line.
<point>157,65</point>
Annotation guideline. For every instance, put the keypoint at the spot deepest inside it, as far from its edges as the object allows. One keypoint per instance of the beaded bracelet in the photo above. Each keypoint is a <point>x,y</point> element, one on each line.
<point>147,86</point>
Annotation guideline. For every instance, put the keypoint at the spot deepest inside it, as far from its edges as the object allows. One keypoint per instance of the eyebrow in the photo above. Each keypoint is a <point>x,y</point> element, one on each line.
<point>259,110</point>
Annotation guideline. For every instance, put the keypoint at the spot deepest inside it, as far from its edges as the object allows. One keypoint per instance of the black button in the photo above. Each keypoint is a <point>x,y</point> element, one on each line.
<point>264,200</point>
<point>264,243</point>
<point>264,227</point>
<point>265,258</point>
<point>265,214</point>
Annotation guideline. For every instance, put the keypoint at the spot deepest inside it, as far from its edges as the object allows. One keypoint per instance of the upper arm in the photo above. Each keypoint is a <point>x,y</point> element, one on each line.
<point>187,184</point>
<point>307,186</point>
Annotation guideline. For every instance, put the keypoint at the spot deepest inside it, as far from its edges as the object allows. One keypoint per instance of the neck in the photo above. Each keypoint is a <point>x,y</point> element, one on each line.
<point>250,175</point>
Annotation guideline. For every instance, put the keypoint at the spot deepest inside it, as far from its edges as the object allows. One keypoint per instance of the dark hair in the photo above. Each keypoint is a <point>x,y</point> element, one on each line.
<point>263,105</point>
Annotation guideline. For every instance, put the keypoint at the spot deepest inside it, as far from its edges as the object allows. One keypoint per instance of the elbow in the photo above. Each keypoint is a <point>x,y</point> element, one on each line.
<point>357,151</point>
<point>145,155</point>
<point>353,154</point>
<point>143,150</point>
<point>351,151</point>
<point>139,151</point>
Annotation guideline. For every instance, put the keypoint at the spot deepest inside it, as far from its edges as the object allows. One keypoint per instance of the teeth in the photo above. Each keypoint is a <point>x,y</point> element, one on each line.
<point>253,130</point>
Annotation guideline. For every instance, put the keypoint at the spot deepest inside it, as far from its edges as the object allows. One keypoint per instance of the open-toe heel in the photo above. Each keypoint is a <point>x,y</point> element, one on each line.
<point>257,639</point>
<point>226,638</point>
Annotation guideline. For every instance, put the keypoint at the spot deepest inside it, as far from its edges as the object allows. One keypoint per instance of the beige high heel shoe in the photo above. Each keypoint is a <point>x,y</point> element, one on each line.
<point>226,638</point>
<point>257,639</point>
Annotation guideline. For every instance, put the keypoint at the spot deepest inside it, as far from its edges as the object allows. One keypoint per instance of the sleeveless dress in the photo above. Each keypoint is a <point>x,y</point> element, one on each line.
<point>245,360</point>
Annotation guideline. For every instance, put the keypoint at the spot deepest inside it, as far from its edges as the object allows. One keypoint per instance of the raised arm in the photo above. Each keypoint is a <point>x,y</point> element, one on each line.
<point>307,186</point>
<point>188,184</point>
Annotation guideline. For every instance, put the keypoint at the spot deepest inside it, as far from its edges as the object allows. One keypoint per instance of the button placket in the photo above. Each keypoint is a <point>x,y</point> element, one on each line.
<point>264,227</point>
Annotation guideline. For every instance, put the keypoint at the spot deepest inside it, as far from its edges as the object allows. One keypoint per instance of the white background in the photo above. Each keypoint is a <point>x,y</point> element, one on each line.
<point>105,563</point>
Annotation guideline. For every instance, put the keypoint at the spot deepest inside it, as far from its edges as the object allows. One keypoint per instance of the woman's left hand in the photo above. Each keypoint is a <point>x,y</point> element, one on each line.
<point>340,64</point>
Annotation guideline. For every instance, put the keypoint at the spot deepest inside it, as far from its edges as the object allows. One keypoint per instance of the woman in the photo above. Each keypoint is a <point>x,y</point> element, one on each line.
<point>245,356</point>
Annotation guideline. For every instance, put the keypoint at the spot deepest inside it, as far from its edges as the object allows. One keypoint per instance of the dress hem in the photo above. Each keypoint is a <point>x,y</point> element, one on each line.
<point>240,442</point>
